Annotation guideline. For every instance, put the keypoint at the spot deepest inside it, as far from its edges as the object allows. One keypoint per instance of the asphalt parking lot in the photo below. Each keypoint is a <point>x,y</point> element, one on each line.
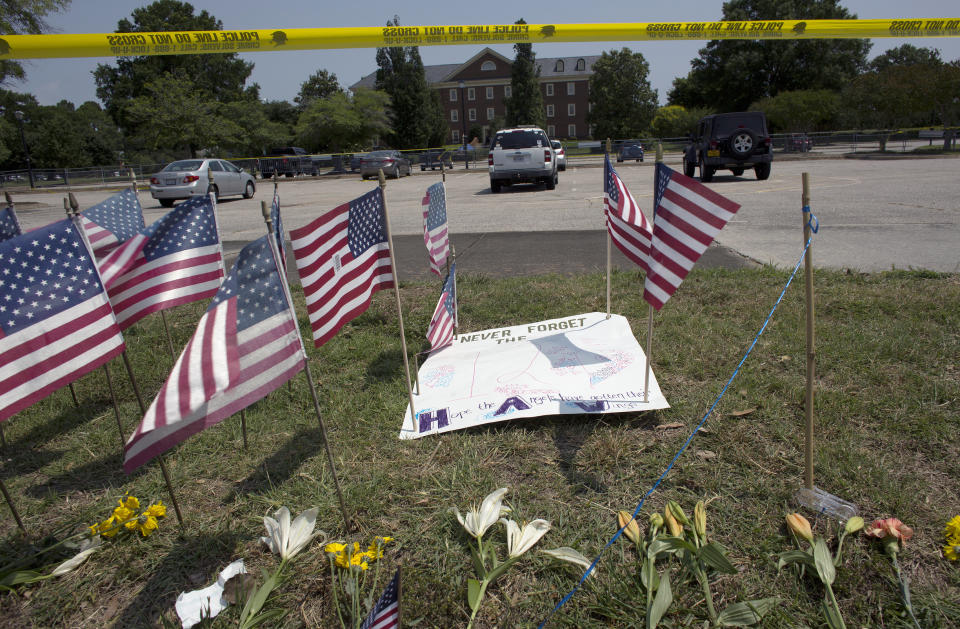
<point>874,215</point>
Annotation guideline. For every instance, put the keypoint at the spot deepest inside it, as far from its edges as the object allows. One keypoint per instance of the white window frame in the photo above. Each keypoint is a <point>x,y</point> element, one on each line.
<point>471,93</point>
<point>571,130</point>
<point>454,115</point>
<point>472,114</point>
<point>507,91</point>
<point>455,134</point>
<point>571,109</point>
<point>488,66</point>
<point>558,67</point>
<point>571,88</point>
<point>550,111</point>
<point>491,113</point>
<point>489,93</point>
<point>551,131</point>
<point>453,95</point>
<point>581,64</point>
<point>549,89</point>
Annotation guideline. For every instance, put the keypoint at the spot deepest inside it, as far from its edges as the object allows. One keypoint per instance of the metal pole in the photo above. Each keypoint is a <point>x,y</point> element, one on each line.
<point>396,290</point>
<point>19,116</point>
<point>463,126</point>
<point>811,353</point>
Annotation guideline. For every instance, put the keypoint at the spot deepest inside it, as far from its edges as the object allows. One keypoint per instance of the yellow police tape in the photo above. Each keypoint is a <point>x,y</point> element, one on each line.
<point>204,42</point>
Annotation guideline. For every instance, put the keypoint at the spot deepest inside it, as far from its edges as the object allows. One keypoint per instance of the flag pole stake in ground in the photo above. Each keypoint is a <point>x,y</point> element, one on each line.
<point>810,496</point>
<point>347,522</point>
<point>609,253</point>
<point>116,406</point>
<point>74,205</point>
<point>396,290</point>
<point>646,377</point>
<point>13,510</point>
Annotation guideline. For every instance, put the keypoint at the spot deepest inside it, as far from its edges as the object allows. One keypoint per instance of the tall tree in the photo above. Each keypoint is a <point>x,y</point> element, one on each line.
<point>320,85</point>
<point>221,77</point>
<point>906,55</point>
<point>24,17</point>
<point>802,110</point>
<point>730,74</point>
<point>622,102</point>
<point>340,122</point>
<point>415,114</point>
<point>525,105</point>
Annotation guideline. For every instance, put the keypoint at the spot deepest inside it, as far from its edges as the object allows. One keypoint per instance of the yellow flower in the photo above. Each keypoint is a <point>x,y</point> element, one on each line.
<point>130,502</point>
<point>334,547</point>
<point>672,525</point>
<point>357,560</point>
<point>342,560</point>
<point>157,510</point>
<point>108,527</point>
<point>953,527</point>
<point>952,552</point>
<point>629,525</point>
<point>700,520</point>
<point>146,524</point>
<point>800,525</point>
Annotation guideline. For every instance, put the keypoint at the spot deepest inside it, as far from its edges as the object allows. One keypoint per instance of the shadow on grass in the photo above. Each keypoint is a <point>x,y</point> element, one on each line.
<point>386,367</point>
<point>102,473</point>
<point>202,556</point>
<point>58,426</point>
<point>280,466</point>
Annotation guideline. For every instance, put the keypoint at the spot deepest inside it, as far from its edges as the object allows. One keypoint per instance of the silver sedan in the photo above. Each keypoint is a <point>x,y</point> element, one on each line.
<point>189,178</point>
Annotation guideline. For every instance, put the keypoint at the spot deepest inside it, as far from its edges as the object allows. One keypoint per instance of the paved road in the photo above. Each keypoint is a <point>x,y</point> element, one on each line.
<point>874,215</point>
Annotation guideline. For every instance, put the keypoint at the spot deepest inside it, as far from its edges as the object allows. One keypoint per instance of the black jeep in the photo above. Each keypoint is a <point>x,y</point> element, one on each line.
<point>735,141</point>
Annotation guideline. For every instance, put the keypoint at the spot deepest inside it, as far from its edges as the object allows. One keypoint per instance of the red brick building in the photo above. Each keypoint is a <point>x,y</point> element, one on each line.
<point>473,93</point>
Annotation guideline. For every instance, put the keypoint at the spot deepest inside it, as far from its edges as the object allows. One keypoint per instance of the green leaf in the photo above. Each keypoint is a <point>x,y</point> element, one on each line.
<point>661,603</point>
<point>746,613</point>
<point>648,575</point>
<point>824,561</point>
<point>473,594</point>
<point>273,614</point>
<point>668,544</point>
<point>795,556</point>
<point>713,555</point>
<point>834,620</point>
<point>477,561</point>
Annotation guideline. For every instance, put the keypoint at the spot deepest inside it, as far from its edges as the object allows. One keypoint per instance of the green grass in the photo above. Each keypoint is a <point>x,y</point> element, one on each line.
<point>888,373</point>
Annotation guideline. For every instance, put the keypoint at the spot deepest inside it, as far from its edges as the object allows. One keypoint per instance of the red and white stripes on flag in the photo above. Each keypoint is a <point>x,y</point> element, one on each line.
<point>56,323</point>
<point>444,320</point>
<point>246,345</point>
<point>626,224</point>
<point>112,221</point>
<point>435,233</point>
<point>687,217</point>
<point>175,261</point>
<point>343,257</point>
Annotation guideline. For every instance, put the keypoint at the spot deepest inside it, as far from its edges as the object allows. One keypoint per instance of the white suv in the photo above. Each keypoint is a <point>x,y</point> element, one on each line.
<point>521,155</point>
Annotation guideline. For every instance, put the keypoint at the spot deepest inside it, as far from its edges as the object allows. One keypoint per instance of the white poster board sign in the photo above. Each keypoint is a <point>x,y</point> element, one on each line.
<point>585,363</point>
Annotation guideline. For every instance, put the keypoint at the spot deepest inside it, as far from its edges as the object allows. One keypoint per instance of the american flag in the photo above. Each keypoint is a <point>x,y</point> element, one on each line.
<point>278,229</point>
<point>175,261</point>
<point>112,222</point>
<point>386,613</point>
<point>56,323</point>
<point>628,227</point>
<point>686,219</point>
<point>246,345</point>
<point>440,330</point>
<point>435,234</point>
<point>9,225</point>
<point>343,258</point>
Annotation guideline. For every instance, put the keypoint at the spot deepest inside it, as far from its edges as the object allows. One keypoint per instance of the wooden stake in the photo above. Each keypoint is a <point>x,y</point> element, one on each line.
<point>396,290</point>
<point>71,207</point>
<point>646,376</point>
<point>811,353</point>
<point>13,510</point>
<point>609,245</point>
<point>166,329</point>
<point>243,425</point>
<point>348,522</point>
<point>163,466</point>
<point>116,407</point>
<point>3,438</point>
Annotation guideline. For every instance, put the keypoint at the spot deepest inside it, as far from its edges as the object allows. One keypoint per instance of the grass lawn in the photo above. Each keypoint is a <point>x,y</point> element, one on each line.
<point>887,411</point>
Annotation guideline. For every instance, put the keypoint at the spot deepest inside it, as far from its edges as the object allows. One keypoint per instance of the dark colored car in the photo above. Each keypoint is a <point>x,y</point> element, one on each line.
<point>391,162</point>
<point>798,143</point>
<point>630,150</point>
<point>735,141</point>
<point>433,160</point>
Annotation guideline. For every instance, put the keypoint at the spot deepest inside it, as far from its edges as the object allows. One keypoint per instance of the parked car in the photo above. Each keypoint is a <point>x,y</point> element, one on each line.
<point>392,162</point>
<point>630,150</point>
<point>286,160</point>
<point>521,155</point>
<point>560,154</point>
<point>355,161</point>
<point>798,143</point>
<point>734,141</point>
<point>189,178</point>
<point>433,159</point>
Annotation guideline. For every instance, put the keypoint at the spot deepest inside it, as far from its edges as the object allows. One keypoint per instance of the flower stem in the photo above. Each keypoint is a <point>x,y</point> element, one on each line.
<point>904,590</point>
<point>702,578</point>
<point>483,590</point>
<point>836,606</point>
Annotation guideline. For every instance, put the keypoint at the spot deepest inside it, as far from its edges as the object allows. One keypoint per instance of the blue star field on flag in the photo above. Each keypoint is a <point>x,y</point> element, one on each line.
<point>120,214</point>
<point>188,226</point>
<point>9,226</point>
<point>253,280</point>
<point>663,178</point>
<point>367,226</point>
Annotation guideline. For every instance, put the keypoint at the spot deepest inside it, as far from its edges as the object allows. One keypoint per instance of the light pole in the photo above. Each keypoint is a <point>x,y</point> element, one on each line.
<point>19,116</point>
<point>463,126</point>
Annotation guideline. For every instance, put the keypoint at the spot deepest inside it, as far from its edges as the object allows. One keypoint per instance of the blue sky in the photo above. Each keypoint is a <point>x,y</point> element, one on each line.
<point>281,73</point>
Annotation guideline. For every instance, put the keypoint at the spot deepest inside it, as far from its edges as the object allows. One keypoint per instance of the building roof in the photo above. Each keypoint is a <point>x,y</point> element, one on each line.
<point>546,65</point>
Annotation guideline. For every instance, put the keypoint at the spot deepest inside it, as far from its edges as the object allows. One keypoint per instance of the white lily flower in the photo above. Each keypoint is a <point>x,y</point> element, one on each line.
<point>286,539</point>
<point>476,522</point>
<point>570,555</point>
<point>87,548</point>
<point>520,540</point>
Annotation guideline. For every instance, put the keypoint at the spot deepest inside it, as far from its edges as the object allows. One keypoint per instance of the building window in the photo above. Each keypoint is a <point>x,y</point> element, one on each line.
<point>549,89</point>
<point>559,66</point>
<point>571,130</point>
<point>453,116</point>
<point>489,93</point>
<point>453,96</point>
<point>488,66</point>
<point>472,114</point>
<point>571,88</point>
<point>490,113</point>
<point>551,130</point>
<point>550,111</point>
<point>507,91</point>
<point>581,64</point>
<point>571,109</point>
<point>471,93</point>
<point>456,135</point>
